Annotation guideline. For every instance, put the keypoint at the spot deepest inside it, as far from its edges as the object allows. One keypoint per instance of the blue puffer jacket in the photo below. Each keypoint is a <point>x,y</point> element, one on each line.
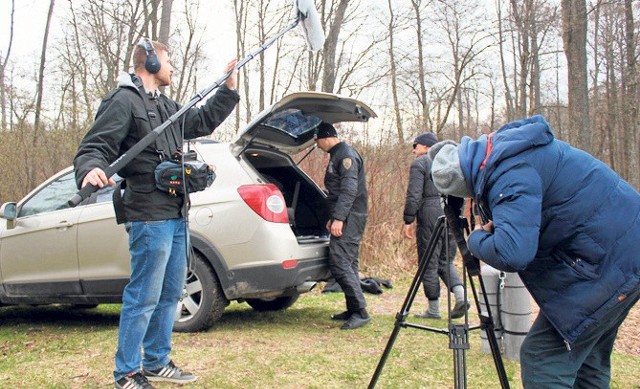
<point>567,223</point>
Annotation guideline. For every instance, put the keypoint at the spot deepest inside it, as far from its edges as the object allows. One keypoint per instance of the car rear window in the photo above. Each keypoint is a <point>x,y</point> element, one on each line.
<point>293,122</point>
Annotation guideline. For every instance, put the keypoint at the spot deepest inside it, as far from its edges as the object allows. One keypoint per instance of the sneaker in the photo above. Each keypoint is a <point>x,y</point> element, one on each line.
<point>428,315</point>
<point>357,319</point>
<point>459,309</point>
<point>342,315</point>
<point>133,381</point>
<point>170,373</point>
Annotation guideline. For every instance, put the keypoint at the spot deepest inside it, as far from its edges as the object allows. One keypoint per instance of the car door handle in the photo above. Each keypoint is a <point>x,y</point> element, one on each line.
<point>63,225</point>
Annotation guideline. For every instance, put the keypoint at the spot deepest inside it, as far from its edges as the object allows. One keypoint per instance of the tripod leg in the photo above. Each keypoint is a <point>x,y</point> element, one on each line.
<point>459,342</point>
<point>411,295</point>
<point>486,323</point>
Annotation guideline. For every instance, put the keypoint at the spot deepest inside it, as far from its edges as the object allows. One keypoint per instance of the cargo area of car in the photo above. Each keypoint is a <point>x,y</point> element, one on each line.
<point>306,204</point>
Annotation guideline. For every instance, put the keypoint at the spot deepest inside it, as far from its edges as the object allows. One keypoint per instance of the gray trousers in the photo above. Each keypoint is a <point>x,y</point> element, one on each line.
<point>441,263</point>
<point>546,362</point>
<point>343,260</point>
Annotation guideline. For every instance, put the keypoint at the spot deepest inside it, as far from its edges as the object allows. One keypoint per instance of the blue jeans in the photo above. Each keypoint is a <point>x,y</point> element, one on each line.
<point>547,363</point>
<point>150,299</point>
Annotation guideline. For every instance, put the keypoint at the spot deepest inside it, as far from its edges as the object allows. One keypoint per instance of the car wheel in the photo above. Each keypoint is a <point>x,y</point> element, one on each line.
<point>274,304</point>
<point>202,301</point>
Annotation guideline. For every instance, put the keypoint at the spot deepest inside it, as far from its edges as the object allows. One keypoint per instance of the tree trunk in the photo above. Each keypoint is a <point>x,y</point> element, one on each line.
<point>505,82</point>
<point>3,66</point>
<point>534,89</point>
<point>165,21</point>
<point>424,120</point>
<point>574,37</point>
<point>40,86</point>
<point>632,149</point>
<point>392,64</point>
<point>522,20</point>
<point>330,46</point>
<point>241,12</point>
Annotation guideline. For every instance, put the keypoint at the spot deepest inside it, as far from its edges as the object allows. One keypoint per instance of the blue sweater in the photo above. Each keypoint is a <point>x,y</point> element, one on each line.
<point>566,222</point>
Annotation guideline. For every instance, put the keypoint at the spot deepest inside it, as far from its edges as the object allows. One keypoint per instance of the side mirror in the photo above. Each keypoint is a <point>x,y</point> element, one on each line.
<point>8,211</point>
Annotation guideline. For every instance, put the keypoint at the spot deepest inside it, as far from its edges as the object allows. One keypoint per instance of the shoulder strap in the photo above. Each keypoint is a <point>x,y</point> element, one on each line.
<point>155,120</point>
<point>118,203</point>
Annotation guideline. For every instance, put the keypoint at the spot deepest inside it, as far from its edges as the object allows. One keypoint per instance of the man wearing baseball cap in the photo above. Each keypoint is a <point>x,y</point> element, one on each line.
<point>422,206</point>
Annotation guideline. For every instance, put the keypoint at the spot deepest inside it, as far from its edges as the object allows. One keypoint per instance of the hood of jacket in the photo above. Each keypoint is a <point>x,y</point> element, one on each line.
<point>479,158</point>
<point>129,80</point>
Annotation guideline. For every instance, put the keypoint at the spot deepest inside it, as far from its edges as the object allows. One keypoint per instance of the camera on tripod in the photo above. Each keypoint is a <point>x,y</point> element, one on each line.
<point>459,225</point>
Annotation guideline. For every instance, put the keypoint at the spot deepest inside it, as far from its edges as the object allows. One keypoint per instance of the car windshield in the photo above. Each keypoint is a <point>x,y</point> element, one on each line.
<point>293,122</point>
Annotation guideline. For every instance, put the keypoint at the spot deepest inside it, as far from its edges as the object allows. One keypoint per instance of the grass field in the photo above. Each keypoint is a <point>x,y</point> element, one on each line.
<point>58,347</point>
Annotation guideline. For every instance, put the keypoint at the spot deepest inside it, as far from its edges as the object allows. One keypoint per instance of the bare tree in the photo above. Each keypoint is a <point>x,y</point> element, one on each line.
<point>165,21</point>
<point>630,82</point>
<point>331,42</point>
<point>40,86</point>
<point>574,37</point>
<point>509,102</point>
<point>188,55</point>
<point>422,87</point>
<point>3,66</point>
<point>466,41</point>
<point>393,73</point>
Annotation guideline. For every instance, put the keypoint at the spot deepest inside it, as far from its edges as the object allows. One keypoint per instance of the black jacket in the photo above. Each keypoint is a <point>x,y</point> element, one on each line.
<point>124,117</point>
<point>345,181</point>
<point>421,192</point>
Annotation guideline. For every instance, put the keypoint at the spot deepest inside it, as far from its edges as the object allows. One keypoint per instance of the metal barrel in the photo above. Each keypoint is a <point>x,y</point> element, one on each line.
<point>491,279</point>
<point>515,315</point>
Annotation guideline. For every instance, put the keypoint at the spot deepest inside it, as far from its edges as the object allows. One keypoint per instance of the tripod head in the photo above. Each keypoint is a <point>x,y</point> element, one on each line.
<point>458,224</point>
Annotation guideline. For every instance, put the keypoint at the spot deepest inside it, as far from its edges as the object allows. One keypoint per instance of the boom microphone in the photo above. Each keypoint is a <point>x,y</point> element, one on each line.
<point>311,25</point>
<point>306,15</point>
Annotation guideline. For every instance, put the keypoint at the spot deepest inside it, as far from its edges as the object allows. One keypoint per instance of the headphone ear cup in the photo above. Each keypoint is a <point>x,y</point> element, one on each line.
<point>152,64</point>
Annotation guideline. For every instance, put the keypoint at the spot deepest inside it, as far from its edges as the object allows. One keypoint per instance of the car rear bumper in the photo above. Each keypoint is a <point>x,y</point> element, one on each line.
<point>276,280</point>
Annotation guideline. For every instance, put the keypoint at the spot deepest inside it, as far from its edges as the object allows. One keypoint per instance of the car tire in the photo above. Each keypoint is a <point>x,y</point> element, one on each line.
<point>274,304</point>
<point>202,302</point>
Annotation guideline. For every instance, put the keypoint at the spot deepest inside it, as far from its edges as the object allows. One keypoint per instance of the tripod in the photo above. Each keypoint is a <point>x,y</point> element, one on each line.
<point>458,333</point>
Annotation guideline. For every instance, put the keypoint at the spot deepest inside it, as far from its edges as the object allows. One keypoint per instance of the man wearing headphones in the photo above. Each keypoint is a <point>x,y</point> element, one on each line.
<point>154,219</point>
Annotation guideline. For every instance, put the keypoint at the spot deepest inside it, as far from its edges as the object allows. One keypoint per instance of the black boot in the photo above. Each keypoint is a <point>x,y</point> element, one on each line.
<point>357,319</point>
<point>342,315</point>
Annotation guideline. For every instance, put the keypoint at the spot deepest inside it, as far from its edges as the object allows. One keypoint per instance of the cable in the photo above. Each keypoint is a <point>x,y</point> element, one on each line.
<point>186,202</point>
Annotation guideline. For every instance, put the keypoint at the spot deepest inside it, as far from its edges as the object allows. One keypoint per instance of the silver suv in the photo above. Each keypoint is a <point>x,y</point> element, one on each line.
<point>258,232</point>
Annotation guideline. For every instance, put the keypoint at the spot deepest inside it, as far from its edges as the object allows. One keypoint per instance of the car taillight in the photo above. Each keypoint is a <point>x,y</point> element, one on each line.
<point>289,263</point>
<point>265,200</point>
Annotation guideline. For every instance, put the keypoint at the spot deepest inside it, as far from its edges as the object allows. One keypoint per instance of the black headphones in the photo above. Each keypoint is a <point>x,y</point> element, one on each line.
<point>152,64</point>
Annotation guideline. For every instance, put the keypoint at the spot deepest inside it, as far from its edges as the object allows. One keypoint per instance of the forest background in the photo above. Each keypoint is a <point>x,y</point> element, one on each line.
<point>452,67</point>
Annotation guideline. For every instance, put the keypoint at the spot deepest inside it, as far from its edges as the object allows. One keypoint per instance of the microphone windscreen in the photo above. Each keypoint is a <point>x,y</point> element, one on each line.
<point>310,21</point>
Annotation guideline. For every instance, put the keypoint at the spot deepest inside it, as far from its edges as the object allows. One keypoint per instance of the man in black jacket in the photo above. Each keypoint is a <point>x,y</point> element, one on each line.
<point>155,220</point>
<point>422,205</point>
<point>347,199</point>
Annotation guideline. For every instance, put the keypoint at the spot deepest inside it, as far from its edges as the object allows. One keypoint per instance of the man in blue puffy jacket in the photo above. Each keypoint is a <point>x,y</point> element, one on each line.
<point>570,227</point>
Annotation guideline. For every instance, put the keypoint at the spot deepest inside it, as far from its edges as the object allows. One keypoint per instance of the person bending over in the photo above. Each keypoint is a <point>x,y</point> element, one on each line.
<point>570,227</point>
